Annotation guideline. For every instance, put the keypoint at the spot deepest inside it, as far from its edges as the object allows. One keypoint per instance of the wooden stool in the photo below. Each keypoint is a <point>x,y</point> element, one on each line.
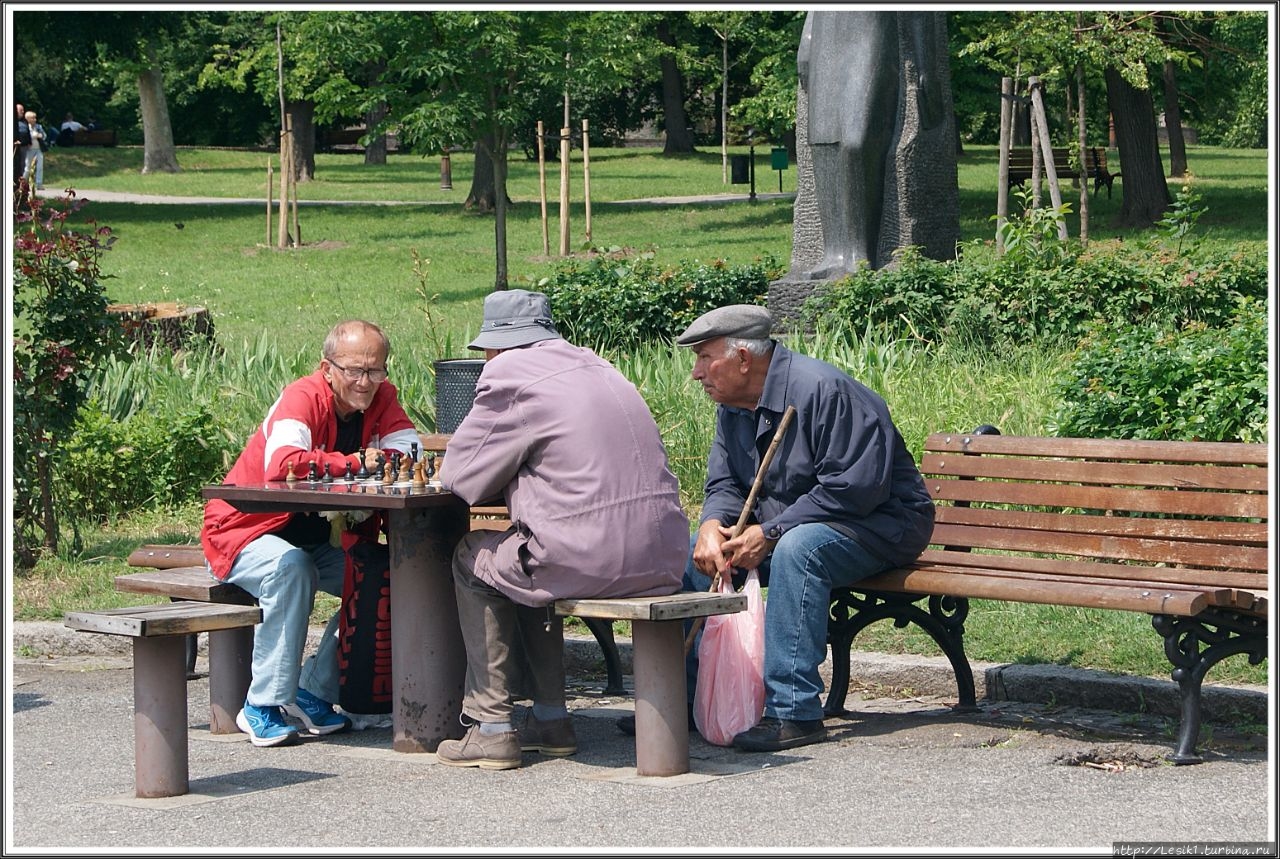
<point>160,680</point>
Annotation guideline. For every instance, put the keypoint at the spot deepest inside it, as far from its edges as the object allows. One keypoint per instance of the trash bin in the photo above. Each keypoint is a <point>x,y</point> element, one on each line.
<point>455,390</point>
<point>739,169</point>
<point>778,158</point>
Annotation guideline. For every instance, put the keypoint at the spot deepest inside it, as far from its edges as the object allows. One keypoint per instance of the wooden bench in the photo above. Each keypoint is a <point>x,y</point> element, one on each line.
<point>99,137</point>
<point>657,640</point>
<point>348,140</point>
<point>180,574</point>
<point>159,680</point>
<point>1176,530</point>
<point>1020,163</point>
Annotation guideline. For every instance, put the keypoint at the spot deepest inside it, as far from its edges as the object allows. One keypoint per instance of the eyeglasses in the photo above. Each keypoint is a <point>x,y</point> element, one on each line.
<point>377,375</point>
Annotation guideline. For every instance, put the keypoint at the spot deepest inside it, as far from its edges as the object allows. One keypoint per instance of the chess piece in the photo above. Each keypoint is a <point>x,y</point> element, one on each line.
<point>420,473</point>
<point>431,465</point>
<point>290,477</point>
<point>328,478</point>
<point>381,468</point>
<point>349,476</point>
<point>363,473</point>
<point>388,470</point>
<point>413,452</point>
<point>313,473</point>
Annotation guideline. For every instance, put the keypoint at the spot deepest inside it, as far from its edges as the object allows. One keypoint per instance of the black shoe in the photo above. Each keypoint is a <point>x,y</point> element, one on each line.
<point>773,735</point>
<point>627,724</point>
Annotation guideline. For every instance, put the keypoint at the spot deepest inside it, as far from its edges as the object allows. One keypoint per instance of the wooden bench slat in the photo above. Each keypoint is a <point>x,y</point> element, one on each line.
<point>1225,504</point>
<point>1215,593</point>
<point>1207,452</point>
<point>176,618</point>
<point>163,557</point>
<point>1150,551</point>
<point>678,606</point>
<point>1253,582</point>
<point>996,585</point>
<point>1180,476</point>
<point>187,583</point>
<point>1206,531</point>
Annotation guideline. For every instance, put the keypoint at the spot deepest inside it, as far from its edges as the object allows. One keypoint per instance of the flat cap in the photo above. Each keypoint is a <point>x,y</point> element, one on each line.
<point>746,321</point>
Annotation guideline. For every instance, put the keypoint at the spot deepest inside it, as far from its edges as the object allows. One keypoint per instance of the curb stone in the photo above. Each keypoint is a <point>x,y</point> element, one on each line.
<point>893,675</point>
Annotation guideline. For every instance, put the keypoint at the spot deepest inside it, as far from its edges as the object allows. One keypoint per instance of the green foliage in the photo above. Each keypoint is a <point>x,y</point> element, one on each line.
<point>61,332</point>
<point>1182,214</point>
<point>620,299</point>
<point>1193,384</point>
<point>987,300</point>
<point>1030,239</point>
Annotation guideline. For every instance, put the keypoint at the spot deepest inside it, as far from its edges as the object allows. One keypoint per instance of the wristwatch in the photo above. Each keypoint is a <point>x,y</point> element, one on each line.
<point>774,533</point>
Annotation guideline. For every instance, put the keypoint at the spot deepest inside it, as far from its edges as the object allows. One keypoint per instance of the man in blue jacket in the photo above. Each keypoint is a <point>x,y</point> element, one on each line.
<point>842,500</point>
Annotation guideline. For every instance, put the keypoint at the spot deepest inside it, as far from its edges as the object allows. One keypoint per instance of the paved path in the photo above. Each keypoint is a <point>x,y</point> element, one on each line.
<point>899,773</point>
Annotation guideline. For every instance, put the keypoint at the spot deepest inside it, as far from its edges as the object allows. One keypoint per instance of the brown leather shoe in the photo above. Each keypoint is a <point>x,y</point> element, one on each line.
<point>555,738</point>
<point>491,752</point>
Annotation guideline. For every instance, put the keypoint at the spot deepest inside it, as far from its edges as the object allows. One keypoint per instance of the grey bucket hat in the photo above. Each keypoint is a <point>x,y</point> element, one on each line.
<point>514,317</point>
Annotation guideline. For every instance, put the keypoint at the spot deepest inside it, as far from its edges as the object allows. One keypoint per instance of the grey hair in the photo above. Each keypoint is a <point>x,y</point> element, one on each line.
<point>755,346</point>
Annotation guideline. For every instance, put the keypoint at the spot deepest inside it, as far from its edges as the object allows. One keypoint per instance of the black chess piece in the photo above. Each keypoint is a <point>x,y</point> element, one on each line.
<point>313,473</point>
<point>431,464</point>
<point>382,467</point>
<point>328,478</point>
<point>349,476</point>
<point>363,473</point>
<point>413,453</point>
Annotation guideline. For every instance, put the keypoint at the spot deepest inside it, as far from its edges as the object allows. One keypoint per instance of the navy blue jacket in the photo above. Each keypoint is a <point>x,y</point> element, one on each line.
<point>842,461</point>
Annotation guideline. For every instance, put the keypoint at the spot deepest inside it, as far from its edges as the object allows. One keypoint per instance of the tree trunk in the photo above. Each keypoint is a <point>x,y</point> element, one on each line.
<point>1082,137</point>
<point>1173,124</point>
<point>376,151</point>
<point>674,118</point>
<point>157,131</point>
<point>1146,196</point>
<point>499,162</point>
<point>302,118</point>
<point>482,194</point>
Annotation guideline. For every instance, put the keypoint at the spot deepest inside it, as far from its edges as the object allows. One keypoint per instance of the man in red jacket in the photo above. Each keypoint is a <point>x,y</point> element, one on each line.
<point>327,418</point>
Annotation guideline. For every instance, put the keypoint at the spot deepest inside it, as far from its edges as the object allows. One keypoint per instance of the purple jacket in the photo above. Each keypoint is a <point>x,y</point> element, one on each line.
<point>571,445</point>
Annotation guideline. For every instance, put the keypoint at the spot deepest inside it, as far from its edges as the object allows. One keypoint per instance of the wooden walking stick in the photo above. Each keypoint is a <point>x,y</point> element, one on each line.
<point>746,509</point>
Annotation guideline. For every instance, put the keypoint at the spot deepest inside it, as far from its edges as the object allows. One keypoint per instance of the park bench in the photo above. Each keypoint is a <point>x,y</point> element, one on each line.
<point>159,680</point>
<point>1176,530</point>
<point>98,137</point>
<point>348,140</point>
<point>1020,162</point>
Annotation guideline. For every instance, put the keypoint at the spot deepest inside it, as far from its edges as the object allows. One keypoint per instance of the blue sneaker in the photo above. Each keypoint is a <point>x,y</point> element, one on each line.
<point>266,726</point>
<point>318,715</point>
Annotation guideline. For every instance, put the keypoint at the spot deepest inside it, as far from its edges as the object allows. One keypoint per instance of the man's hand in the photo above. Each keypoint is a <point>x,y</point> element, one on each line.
<point>748,550</point>
<point>707,554</point>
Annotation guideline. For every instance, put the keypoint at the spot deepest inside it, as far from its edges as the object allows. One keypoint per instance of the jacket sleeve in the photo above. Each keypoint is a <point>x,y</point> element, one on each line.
<point>486,451</point>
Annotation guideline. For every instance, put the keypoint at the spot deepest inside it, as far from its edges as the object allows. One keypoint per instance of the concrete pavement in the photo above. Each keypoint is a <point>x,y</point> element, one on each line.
<point>901,771</point>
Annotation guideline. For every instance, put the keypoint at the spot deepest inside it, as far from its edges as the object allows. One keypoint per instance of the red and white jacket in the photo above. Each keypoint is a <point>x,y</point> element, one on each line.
<point>300,427</point>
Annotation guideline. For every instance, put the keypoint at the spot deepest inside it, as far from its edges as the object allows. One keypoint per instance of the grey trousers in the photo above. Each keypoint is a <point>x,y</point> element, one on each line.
<point>511,652</point>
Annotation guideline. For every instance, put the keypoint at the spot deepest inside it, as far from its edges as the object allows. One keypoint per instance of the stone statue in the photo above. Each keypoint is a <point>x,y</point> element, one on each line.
<point>875,144</point>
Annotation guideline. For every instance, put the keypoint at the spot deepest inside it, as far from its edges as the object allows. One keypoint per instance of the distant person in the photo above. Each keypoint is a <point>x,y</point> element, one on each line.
<point>33,170</point>
<point>344,407</point>
<point>572,448</point>
<point>93,125</point>
<point>21,141</point>
<point>68,130</point>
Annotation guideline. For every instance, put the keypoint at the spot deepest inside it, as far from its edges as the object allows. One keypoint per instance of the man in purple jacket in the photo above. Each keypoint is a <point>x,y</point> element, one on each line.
<point>572,448</point>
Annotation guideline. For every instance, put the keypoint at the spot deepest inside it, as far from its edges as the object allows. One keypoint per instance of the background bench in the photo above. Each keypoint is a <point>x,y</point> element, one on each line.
<point>1020,162</point>
<point>1176,530</point>
<point>100,137</point>
<point>159,680</point>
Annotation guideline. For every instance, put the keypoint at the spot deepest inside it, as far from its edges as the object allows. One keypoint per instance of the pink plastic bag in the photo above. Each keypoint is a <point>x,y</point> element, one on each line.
<point>730,695</point>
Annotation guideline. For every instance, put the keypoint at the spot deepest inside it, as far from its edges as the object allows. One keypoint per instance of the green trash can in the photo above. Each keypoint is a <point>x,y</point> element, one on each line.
<point>778,158</point>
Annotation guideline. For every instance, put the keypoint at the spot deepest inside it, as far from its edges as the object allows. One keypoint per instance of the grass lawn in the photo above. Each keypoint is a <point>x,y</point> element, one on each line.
<point>357,259</point>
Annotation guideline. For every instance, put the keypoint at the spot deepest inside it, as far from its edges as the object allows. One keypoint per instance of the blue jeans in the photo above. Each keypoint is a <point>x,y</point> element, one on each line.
<point>285,578</point>
<point>806,564</point>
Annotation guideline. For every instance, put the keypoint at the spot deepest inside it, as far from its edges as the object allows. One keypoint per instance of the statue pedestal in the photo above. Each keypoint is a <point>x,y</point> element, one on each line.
<point>785,298</point>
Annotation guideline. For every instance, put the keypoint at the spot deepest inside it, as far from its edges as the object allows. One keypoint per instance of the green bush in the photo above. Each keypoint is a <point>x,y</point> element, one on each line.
<point>1191,384</point>
<point>982,299</point>
<point>618,299</point>
<point>153,459</point>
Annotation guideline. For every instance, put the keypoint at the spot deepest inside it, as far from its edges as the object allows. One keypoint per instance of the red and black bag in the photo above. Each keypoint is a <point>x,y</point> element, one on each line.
<point>364,625</point>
